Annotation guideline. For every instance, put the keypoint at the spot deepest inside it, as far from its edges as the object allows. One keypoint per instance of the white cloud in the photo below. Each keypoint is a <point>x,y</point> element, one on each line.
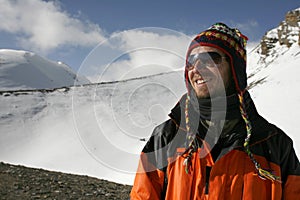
<point>135,53</point>
<point>42,26</point>
<point>249,25</point>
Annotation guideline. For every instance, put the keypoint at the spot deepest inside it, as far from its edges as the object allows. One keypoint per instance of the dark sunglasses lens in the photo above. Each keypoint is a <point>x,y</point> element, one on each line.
<point>206,58</point>
<point>216,57</point>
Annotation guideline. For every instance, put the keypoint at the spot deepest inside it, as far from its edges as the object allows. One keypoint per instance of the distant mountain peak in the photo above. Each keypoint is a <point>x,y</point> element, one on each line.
<point>279,45</point>
<point>286,34</point>
<point>21,69</point>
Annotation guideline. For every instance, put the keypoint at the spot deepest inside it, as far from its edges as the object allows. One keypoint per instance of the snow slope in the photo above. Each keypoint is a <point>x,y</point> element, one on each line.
<point>97,130</point>
<point>26,70</point>
<point>276,78</point>
<point>277,96</point>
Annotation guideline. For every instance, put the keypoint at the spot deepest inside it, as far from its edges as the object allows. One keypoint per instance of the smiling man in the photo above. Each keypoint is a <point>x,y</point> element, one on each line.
<point>215,145</point>
<point>208,68</point>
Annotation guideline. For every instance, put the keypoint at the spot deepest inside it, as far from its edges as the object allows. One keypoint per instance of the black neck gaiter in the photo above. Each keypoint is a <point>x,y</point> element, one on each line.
<point>219,108</point>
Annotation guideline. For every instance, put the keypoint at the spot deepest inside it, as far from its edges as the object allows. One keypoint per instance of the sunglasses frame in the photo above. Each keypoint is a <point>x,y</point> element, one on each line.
<point>212,59</point>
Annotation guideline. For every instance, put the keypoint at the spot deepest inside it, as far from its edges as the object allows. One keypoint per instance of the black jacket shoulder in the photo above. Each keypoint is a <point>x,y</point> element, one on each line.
<point>161,136</point>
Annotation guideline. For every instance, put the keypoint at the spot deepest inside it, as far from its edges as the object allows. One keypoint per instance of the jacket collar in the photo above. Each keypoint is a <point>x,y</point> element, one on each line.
<point>202,109</point>
<point>230,130</point>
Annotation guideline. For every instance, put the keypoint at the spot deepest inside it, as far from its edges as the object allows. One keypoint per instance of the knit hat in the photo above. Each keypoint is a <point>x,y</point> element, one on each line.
<point>230,41</point>
<point>233,43</point>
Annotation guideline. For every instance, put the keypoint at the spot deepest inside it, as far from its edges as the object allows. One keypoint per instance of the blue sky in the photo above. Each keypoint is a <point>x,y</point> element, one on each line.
<point>67,30</point>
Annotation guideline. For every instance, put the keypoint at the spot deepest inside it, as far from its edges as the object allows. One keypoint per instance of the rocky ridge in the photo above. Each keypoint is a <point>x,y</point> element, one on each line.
<point>286,34</point>
<point>273,45</point>
<point>19,182</point>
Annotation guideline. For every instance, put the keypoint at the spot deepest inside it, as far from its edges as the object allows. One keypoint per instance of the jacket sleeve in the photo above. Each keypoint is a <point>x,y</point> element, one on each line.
<point>150,179</point>
<point>292,174</point>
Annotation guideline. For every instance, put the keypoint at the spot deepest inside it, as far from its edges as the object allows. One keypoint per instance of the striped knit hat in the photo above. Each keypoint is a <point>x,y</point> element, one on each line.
<point>233,43</point>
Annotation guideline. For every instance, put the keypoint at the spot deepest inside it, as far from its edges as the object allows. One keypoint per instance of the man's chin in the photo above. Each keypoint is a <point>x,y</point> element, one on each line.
<point>202,95</point>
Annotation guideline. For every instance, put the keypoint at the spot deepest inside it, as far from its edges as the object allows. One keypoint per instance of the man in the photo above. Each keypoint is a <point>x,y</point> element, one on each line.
<point>215,145</point>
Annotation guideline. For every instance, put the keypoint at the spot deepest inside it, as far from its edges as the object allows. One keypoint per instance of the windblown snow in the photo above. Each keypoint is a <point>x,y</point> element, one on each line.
<point>97,129</point>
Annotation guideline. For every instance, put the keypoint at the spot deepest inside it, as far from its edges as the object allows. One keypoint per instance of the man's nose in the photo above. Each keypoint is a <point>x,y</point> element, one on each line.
<point>198,66</point>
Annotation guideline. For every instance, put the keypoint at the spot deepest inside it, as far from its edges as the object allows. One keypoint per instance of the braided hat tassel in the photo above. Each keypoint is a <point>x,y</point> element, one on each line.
<point>192,146</point>
<point>262,173</point>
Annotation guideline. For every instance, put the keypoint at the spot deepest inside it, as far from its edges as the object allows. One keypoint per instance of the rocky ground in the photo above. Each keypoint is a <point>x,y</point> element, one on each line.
<point>18,182</point>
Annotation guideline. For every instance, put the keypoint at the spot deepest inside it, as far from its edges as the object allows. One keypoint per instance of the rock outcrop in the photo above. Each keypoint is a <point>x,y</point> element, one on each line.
<point>287,33</point>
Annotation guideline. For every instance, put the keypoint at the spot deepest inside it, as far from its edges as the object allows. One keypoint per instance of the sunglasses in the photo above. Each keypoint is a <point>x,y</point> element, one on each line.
<point>201,60</point>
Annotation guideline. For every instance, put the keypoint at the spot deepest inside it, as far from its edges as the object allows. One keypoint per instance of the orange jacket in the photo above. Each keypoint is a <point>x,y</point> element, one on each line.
<point>228,174</point>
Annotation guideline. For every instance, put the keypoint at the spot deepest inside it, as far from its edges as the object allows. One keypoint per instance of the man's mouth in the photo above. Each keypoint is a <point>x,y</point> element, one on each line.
<point>200,81</point>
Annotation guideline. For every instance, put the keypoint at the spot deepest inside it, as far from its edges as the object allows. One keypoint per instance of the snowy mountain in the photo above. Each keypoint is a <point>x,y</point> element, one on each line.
<point>96,129</point>
<point>273,69</point>
<point>100,129</point>
<point>26,70</point>
<point>281,41</point>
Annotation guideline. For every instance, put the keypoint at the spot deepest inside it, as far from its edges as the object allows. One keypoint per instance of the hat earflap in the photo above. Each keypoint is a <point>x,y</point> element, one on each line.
<point>262,173</point>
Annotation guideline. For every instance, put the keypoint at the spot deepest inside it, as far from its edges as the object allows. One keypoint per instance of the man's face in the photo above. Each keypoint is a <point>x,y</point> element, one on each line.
<point>210,80</point>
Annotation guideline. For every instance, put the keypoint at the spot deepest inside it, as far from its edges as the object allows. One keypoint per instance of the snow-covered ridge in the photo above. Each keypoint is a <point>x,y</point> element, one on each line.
<point>281,40</point>
<point>70,129</point>
<point>273,75</point>
<point>27,70</point>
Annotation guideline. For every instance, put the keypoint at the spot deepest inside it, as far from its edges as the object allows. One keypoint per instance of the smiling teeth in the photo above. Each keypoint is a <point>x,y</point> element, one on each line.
<point>200,81</point>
